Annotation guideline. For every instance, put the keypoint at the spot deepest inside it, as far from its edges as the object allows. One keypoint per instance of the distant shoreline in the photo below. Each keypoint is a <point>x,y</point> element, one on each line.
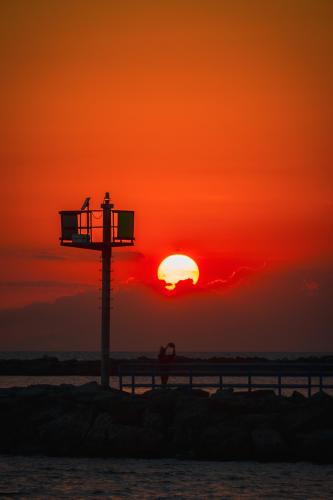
<point>52,366</point>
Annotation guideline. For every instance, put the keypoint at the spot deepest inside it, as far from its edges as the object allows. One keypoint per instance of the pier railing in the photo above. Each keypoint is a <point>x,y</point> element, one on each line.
<point>315,376</point>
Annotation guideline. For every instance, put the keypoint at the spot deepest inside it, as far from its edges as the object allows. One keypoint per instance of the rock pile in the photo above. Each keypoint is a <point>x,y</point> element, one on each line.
<point>89,421</point>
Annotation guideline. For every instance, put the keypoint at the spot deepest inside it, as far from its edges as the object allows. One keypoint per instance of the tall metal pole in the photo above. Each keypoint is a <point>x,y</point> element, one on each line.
<point>106,269</point>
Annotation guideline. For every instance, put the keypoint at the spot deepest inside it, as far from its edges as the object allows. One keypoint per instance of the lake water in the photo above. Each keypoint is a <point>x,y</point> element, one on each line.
<point>75,478</point>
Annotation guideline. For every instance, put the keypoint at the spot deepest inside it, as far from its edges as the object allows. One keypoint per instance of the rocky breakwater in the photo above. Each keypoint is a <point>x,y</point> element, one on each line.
<point>89,421</point>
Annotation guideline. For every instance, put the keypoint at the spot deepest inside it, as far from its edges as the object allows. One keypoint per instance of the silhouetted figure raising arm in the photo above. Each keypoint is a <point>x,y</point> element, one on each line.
<point>165,357</point>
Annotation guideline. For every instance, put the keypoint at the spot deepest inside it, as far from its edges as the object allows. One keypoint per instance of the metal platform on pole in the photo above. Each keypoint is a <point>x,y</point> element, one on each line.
<point>117,230</point>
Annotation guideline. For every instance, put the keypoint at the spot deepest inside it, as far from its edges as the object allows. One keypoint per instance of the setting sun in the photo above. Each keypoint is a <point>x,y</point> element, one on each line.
<point>177,268</point>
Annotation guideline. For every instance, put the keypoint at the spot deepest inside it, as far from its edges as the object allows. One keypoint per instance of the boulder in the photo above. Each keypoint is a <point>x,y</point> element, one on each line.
<point>189,422</point>
<point>163,402</point>
<point>222,442</point>
<point>320,397</point>
<point>252,421</point>
<point>96,439</point>
<point>86,392</point>
<point>108,439</point>
<point>91,387</point>
<point>234,403</point>
<point>64,434</point>
<point>107,401</point>
<point>223,394</point>
<point>302,419</point>
<point>127,411</point>
<point>22,417</point>
<point>316,446</point>
<point>298,398</point>
<point>49,408</point>
<point>10,426</point>
<point>153,420</point>
<point>191,393</point>
<point>243,403</point>
<point>36,391</point>
<point>262,394</point>
<point>268,444</point>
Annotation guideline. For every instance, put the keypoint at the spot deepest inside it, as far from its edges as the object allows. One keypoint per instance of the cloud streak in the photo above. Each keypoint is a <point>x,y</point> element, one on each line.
<point>44,284</point>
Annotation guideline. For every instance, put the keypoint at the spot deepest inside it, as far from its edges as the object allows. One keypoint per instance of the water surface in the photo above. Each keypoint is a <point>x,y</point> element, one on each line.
<point>40,478</point>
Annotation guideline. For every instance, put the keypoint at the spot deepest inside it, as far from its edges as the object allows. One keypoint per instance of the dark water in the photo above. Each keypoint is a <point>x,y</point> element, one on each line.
<point>40,478</point>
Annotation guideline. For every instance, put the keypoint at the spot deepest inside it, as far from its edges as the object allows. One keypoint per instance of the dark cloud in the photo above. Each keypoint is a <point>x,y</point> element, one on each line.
<point>270,312</point>
<point>236,277</point>
<point>31,254</point>
<point>43,284</point>
<point>69,321</point>
<point>47,256</point>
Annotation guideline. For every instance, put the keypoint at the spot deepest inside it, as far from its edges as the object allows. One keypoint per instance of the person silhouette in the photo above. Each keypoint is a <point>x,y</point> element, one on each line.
<point>164,358</point>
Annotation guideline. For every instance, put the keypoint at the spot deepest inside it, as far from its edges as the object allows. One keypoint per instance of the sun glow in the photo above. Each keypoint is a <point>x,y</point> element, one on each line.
<point>176,268</point>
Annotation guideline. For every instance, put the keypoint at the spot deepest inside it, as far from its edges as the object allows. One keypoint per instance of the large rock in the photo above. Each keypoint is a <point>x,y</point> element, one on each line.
<point>298,398</point>
<point>268,444</point>
<point>108,439</point>
<point>236,403</point>
<point>163,402</point>
<point>302,419</point>
<point>106,401</point>
<point>177,393</point>
<point>65,434</point>
<point>87,392</point>
<point>36,391</point>
<point>320,397</point>
<point>222,442</point>
<point>315,446</point>
<point>23,416</point>
<point>223,394</point>
<point>189,422</point>
<point>154,420</point>
<point>14,429</point>
<point>128,411</point>
<point>251,421</point>
<point>191,392</point>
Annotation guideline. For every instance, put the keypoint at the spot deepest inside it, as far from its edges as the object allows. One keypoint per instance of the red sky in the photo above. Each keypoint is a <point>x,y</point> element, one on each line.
<point>212,120</point>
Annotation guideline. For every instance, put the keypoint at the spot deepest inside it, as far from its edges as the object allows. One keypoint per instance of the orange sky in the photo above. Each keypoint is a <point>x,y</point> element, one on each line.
<point>212,120</point>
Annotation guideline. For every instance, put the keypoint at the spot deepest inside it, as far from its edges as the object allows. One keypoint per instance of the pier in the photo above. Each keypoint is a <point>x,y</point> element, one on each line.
<point>306,374</point>
<point>312,377</point>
